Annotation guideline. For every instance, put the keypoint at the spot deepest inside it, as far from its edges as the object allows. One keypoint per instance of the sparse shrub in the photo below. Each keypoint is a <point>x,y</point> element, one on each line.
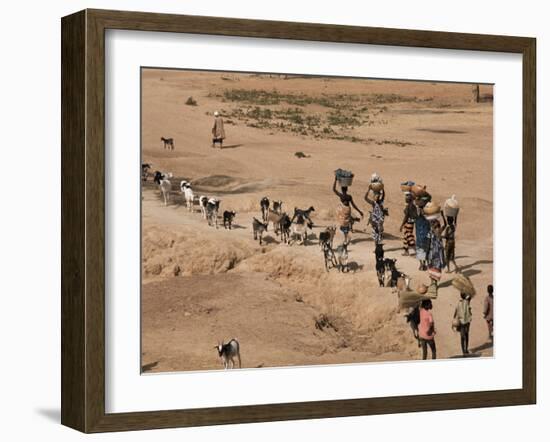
<point>191,102</point>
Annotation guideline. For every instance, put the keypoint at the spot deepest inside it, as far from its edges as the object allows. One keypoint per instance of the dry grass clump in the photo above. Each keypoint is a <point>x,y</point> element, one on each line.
<point>166,254</point>
<point>365,315</point>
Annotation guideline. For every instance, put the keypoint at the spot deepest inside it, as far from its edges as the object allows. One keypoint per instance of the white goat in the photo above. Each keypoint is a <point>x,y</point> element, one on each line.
<point>188,194</point>
<point>166,187</point>
<point>203,201</point>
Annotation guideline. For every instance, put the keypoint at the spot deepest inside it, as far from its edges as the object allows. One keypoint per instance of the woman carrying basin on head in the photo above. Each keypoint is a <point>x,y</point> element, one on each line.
<point>344,210</point>
<point>378,213</point>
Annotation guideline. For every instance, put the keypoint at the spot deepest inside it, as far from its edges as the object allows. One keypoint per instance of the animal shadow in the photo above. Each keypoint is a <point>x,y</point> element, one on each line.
<point>354,266</point>
<point>268,239</point>
<point>237,226</point>
<point>359,240</point>
<point>390,236</point>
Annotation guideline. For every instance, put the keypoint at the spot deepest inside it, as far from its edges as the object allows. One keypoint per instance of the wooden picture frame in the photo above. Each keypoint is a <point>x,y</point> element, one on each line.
<point>83,220</point>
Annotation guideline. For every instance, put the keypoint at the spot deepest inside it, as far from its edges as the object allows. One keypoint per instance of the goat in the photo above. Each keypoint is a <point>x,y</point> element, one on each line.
<point>299,228</point>
<point>168,143</point>
<point>203,201</point>
<point>165,185</point>
<point>157,177</point>
<point>278,207</point>
<point>380,263</point>
<point>413,319</point>
<point>306,213</point>
<point>188,194</point>
<point>258,228</point>
<point>166,188</point>
<point>325,239</point>
<point>327,236</point>
<point>264,206</point>
<point>228,352</point>
<point>284,227</point>
<point>379,251</point>
<point>228,217</point>
<point>145,170</point>
<point>403,283</point>
<point>381,272</point>
<point>341,253</point>
<point>212,208</point>
<point>394,274</point>
<point>274,218</point>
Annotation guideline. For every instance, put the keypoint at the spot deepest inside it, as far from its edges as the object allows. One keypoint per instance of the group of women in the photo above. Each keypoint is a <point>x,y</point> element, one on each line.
<point>434,244</point>
<point>427,234</point>
<point>375,197</point>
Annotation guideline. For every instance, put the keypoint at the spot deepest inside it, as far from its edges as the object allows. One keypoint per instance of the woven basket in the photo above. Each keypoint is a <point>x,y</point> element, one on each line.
<point>409,298</point>
<point>432,209</point>
<point>418,190</point>
<point>464,285</point>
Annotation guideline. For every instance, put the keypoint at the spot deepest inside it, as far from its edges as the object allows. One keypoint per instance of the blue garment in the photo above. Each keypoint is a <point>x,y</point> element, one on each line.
<point>422,229</point>
<point>436,255</point>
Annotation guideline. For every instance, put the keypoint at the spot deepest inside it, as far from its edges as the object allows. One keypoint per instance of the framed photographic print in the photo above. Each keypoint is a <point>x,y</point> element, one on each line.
<point>268,221</point>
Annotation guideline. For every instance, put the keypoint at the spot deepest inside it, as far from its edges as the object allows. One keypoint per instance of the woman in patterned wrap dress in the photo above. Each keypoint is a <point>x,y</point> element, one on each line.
<point>407,226</point>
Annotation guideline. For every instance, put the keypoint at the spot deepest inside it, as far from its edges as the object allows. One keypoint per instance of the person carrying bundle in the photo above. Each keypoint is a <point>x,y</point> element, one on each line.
<point>450,221</point>
<point>449,231</point>
<point>422,225</point>
<point>462,320</point>
<point>344,210</point>
<point>435,256</point>
<point>378,213</point>
<point>407,226</point>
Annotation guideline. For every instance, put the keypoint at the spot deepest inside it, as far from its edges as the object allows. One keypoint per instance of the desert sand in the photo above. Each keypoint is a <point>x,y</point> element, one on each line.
<point>202,285</point>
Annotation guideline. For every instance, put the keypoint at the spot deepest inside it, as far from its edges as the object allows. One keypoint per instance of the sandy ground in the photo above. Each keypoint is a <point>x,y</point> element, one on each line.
<point>201,285</point>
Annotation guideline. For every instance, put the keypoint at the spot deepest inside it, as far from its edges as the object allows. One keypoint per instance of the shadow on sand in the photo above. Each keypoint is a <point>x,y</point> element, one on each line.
<point>148,367</point>
<point>468,266</point>
<point>354,266</point>
<point>470,355</point>
<point>482,347</point>
<point>467,273</point>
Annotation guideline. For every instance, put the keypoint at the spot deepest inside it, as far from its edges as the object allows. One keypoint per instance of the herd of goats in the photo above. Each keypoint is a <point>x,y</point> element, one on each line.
<point>289,229</point>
